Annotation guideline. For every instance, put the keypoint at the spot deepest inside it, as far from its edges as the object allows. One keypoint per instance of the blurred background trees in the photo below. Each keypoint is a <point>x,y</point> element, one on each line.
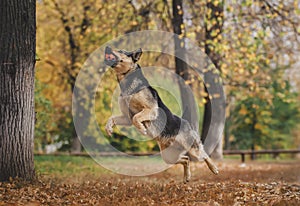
<point>254,45</point>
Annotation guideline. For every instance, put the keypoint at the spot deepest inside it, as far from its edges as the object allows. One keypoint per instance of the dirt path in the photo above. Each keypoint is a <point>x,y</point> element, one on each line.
<point>258,183</point>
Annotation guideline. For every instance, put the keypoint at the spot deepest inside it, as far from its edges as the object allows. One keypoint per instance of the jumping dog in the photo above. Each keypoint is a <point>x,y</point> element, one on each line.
<point>142,107</point>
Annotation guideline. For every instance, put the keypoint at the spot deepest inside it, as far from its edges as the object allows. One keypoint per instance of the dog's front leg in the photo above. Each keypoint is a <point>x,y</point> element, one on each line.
<point>144,115</point>
<point>116,120</point>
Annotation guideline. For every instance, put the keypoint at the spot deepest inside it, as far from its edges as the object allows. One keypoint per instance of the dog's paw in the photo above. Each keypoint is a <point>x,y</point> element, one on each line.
<point>109,130</point>
<point>187,177</point>
<point>143,131</point>
<point>109,126</point>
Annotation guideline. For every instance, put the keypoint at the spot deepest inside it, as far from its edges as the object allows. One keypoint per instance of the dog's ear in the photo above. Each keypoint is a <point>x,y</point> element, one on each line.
<point>136,55</point>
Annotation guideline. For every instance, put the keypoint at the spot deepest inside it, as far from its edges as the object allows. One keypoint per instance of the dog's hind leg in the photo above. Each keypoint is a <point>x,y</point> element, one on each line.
<point>174,153</point>
<point>185,161</point>
<point>197,152</point>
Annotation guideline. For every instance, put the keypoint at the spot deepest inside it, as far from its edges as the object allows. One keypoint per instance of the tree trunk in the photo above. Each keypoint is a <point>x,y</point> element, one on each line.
<point>227,134</point>
<point>17,62</point>
<point>253,132</point>
<point>76,146</point>
<point>212,32</point>
<point>187,99</point>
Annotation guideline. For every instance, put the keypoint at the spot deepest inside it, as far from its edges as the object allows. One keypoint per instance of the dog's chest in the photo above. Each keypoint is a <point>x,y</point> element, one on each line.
<point>130,105</point>
<point>135,103</point>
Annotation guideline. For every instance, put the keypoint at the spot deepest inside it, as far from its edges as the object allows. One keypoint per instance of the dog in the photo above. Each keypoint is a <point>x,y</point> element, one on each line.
<point>141,106</point>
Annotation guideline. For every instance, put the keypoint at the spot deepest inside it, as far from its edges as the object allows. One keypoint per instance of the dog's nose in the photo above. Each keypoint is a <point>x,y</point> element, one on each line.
<point>108,50</point>
<point>110,58</point>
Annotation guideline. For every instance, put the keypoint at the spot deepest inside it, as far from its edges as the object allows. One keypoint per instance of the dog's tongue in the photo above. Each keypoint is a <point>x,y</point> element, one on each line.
<point>110,59</point>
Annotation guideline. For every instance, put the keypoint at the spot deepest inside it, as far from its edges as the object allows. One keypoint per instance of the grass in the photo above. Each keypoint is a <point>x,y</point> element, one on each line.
<point>67,166</point>
<point>75,165</point>
<point>75,168</point>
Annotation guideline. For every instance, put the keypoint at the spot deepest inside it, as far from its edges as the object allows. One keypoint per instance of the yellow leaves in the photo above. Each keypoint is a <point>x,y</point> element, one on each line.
<point>265,113</point>
<point>239,35</point>
<point>191,35</point>
<point>78,64</point>
<point>268,78</point>
<point>203,94</point>
<point>243,111</point>
<point>189,82</point>
<point>297,10</point>
<point>224,69</point>
<point>216,3</point>
<point>229,8</point>
<point>219,18</point>
<point>244,49</point>
<point>255,70</point>
<point>198,28</point>
<point>248,121</point>
<point>280,6</point>
<point>182,44</point>
<point>280,95</point>
<point>251,56</point>
<point>133,23</point>
<point>241,70</point>
<point>258,126</point>
<point>283,84</point>
<point>208,11</point>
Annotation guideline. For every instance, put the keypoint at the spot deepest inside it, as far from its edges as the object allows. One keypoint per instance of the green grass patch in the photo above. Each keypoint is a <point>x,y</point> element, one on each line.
<point>62,166</point>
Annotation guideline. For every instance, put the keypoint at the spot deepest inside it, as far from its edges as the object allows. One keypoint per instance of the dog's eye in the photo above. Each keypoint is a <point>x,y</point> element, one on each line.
<point>121,60</point>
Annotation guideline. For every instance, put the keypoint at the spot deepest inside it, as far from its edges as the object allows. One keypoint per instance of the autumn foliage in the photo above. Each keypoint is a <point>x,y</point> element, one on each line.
<point>254,44</point>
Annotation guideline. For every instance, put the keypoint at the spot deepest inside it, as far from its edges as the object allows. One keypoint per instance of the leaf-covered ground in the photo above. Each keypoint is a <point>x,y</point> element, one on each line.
<point>257,183</point>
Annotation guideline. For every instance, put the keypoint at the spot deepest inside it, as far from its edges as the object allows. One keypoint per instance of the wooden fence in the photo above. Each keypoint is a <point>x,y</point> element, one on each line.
<point>242,153</point>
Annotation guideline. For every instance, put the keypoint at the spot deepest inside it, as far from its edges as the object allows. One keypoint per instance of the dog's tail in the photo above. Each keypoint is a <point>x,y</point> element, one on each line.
<point>211,165</point>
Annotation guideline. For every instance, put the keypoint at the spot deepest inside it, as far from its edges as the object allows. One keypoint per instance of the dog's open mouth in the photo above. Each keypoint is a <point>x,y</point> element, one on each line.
<point>110,58</point>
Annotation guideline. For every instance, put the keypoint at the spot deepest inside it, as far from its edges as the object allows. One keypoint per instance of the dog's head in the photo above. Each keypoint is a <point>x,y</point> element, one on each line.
<point>121,61</point>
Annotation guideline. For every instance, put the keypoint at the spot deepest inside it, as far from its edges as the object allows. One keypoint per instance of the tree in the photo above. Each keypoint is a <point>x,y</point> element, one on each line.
<point>181,68</point>
<point>245,39</point>
<point>214,21</point>
<point>260,43</point>
<point>17,62</point>
<point>74,29</point>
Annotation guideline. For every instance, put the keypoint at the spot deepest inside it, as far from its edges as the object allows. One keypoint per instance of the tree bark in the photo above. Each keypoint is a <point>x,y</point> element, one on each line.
<point>215,14</point>
<point>17,62</point>
<point>187,99</point>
